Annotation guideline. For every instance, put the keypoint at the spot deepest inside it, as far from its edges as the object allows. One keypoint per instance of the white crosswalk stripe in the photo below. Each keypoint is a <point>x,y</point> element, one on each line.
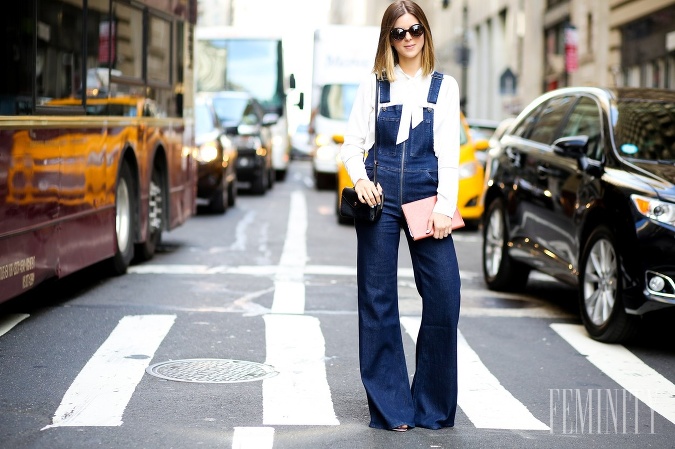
<point>101,391</point>
<point>481,397</point>
<point>624,368</point>
<point>300,394</point>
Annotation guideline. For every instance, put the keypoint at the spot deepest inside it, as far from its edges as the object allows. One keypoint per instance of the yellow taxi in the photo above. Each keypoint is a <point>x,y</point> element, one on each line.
<point>470,178</point>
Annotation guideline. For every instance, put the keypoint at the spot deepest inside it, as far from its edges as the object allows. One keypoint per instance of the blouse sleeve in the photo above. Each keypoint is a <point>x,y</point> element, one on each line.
<point>360,132</point>
<point>446,145</point>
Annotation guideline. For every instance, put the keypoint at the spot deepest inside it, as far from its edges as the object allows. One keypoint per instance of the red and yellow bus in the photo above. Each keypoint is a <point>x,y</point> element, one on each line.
<point>96,134</point>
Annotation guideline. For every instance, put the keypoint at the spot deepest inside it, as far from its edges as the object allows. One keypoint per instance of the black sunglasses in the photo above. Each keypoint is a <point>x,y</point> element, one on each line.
<point>398,34</point>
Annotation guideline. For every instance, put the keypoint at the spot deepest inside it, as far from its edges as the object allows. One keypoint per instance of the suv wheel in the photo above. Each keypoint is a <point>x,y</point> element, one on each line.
<point>601,303</point>
<point>500,271</point>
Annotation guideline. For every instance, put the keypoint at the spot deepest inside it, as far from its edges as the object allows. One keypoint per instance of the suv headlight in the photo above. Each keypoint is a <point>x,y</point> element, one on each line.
<point>207,152</point>
<point>655,209</point>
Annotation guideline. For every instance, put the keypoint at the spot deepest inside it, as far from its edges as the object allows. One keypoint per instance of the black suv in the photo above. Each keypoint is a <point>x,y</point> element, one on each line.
<point>581,187</point>
<point>247,125</point>
<point>216,158</point>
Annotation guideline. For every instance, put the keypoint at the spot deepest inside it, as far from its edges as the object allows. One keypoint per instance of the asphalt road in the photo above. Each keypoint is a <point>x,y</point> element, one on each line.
<point>242,333</point>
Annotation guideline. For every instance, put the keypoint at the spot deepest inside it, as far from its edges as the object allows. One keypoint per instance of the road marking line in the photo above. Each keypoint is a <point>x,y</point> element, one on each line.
<point>299,394</point>
<point>266,270</point>
<point>11,320</point>
<point>253,438</point>
<point>289,286</point>
<point>481,397</point>
<point>539,311</point>
<point>243,226</point>
<point>101,391</point>
<point>624,368</point>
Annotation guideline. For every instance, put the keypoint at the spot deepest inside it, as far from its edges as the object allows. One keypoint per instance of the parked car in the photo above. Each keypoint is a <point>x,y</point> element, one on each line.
<point>470,180</point>
<point>582,187</point>
<point>217,159</point>
<point>246,123</point>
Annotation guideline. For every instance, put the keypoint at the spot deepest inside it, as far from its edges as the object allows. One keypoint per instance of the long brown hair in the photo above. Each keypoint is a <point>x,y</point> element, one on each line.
<point>386,57</point>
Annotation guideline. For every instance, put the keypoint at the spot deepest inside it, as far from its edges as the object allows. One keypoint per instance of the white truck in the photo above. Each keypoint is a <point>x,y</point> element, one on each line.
<point>343,56</point>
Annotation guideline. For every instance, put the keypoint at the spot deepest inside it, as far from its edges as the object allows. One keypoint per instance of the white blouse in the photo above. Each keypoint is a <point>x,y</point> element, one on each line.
<point>411,92</point>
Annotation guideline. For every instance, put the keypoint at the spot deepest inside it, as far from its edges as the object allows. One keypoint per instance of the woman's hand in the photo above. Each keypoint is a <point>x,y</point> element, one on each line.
<point>368,193</point>
<point>440,225</point>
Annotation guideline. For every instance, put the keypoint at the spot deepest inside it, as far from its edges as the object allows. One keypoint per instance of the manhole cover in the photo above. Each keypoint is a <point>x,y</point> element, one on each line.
<point>213,371</point>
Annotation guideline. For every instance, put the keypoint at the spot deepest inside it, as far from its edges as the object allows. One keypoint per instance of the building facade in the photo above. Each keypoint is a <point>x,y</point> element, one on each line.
<point>507,52</point>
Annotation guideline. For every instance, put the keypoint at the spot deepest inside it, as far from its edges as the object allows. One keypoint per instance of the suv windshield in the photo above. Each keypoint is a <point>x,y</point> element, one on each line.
<point>645,129</point>
<point>230,109</point>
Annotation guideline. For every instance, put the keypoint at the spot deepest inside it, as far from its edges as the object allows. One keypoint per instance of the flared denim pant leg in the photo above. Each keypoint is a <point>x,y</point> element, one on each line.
<point>382,359</point>
<point>434,387</point>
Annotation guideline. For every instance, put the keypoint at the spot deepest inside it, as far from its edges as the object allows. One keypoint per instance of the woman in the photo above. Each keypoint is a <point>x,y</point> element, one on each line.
<point>418,155</point>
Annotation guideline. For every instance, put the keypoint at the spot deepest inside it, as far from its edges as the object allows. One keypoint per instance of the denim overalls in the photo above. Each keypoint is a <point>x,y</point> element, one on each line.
<point>407,172</point>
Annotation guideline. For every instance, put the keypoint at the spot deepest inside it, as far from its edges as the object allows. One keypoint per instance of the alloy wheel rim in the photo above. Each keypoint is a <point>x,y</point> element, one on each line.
<point>494,240</point>
<point>600,282</point>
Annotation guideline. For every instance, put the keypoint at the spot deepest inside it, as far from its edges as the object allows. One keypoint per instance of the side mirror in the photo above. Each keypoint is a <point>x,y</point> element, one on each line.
<point>291,81</point>
<point>270,118</point>
<point>572,146</point>
<point>301,101</point>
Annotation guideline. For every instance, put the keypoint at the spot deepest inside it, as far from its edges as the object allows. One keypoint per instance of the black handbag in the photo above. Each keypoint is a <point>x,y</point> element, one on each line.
<point>350,206</point>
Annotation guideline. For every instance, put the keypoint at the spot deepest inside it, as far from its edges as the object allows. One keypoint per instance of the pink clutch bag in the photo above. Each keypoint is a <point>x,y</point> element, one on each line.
<point>417,215</point>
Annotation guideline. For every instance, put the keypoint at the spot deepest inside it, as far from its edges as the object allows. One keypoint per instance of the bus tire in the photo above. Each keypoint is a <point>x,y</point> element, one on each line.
<point>125,223</point>
<point>156,219</point>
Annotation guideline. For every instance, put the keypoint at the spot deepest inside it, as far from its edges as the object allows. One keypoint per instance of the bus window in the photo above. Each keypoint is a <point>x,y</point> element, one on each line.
<point>159,50</point>
<point>59,57</point>
<point>128,32</point>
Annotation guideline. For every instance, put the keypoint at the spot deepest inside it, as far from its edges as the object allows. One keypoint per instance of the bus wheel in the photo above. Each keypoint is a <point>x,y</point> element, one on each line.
<point>155,218</point>
<point>124,222</point>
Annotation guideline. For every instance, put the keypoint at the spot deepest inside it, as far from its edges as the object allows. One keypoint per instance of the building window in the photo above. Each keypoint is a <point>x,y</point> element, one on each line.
<point>589,34</point>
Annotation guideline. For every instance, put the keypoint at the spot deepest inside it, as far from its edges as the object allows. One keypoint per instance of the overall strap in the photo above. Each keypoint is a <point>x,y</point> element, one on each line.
<point>435,87</point>
<point>385,97</point>
<point>378,92</point>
